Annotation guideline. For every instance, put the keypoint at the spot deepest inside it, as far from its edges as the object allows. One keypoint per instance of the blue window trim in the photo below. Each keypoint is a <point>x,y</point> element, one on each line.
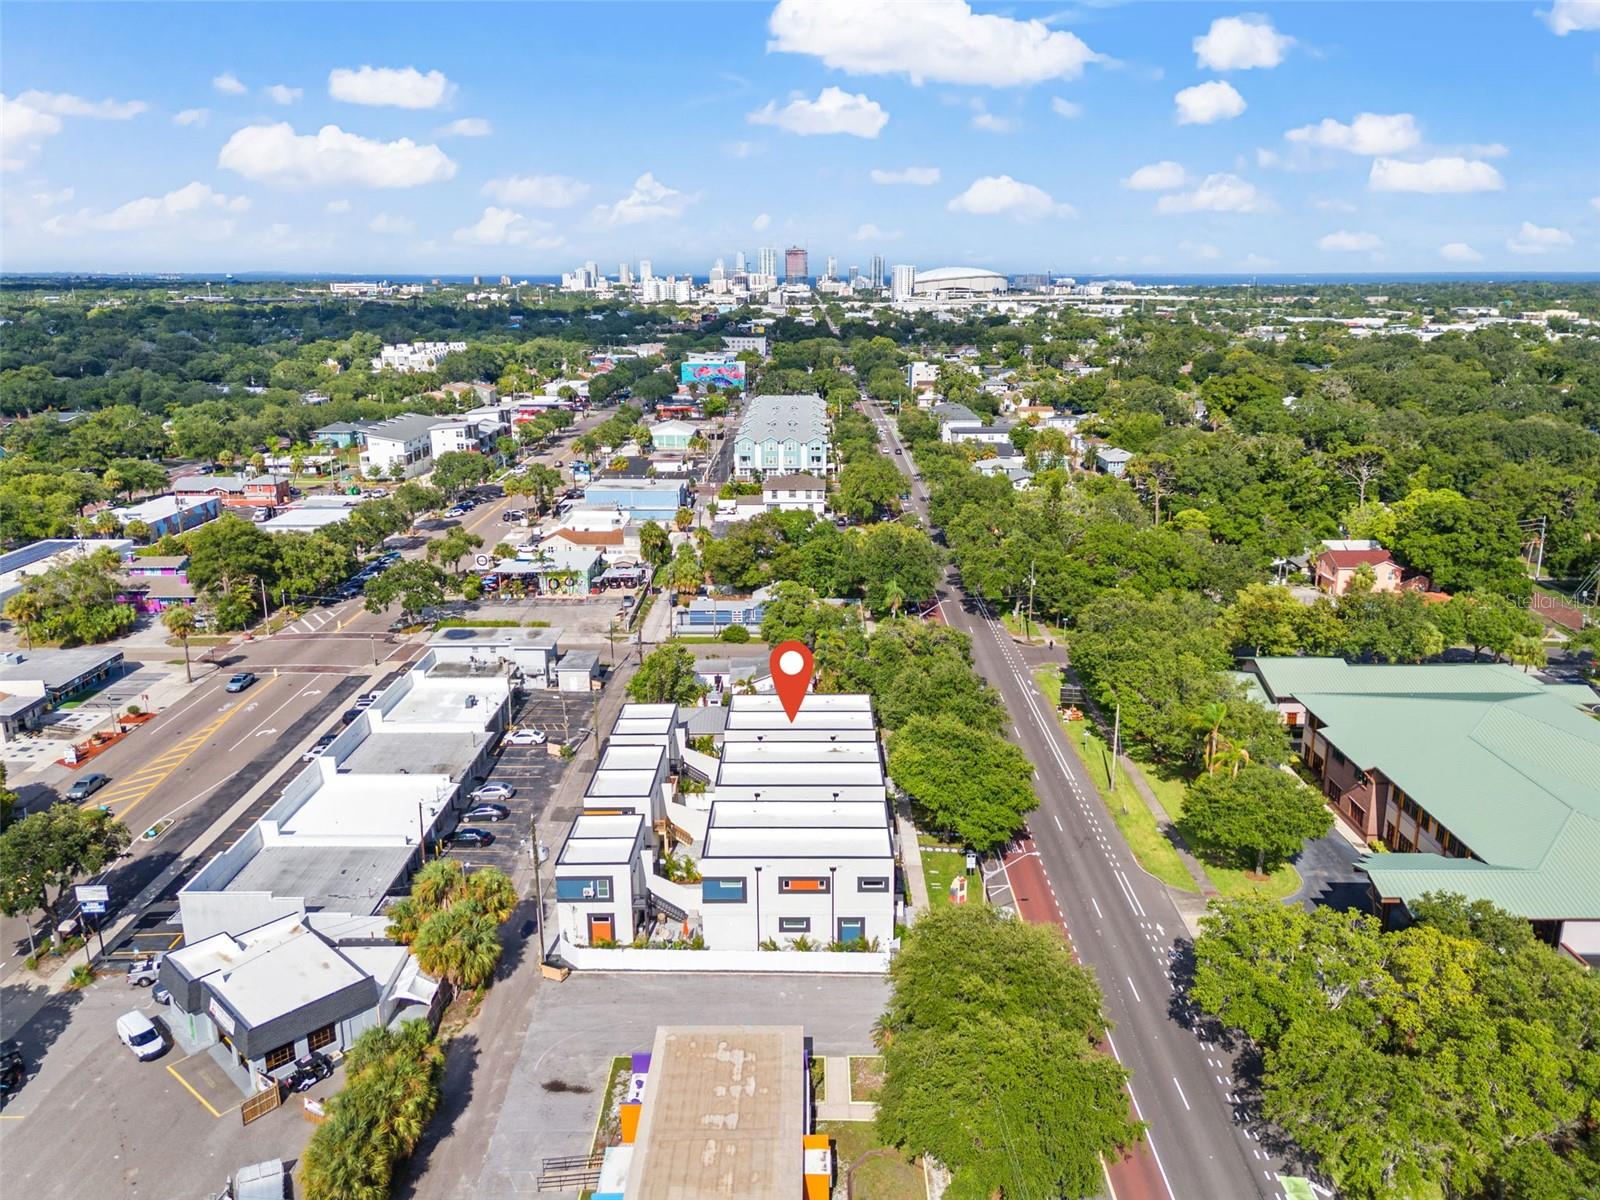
<point>734,883</point>
<point>570,888</point>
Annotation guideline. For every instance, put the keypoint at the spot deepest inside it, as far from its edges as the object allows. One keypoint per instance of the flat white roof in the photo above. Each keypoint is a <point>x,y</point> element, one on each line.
<point>807,773</point>
<point>814,702</point>
<point>632,757</point>
<point>647,710</point>
<point>813,722</point>
<point>800,752</point>
<point>833,814</point>
<point>809,793</point>
<point>363,810</point>
<point>809,842</point>
<point>780,733</point>
<point>660,726</point>
<point>445,701</point>
<point>617,784</point>
<point>597,852</point>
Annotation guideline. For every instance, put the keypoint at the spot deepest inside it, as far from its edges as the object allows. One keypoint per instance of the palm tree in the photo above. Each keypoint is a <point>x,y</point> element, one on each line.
<point>460,945</point>
<point>181,624</point>
<point>893,597</point>
<point>436,885</point>
<point>1209,717</point>
<point>26,608</point>
<point>493,892</point>
<point>225,459</point>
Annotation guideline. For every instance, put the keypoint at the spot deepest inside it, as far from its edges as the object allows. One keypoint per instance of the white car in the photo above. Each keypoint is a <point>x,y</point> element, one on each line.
<point>139,1034</point>
<point>494,791</point>
<point>526,737</point>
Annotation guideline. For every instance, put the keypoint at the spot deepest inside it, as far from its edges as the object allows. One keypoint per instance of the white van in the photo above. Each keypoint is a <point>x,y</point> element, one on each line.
<point>139,1034</point>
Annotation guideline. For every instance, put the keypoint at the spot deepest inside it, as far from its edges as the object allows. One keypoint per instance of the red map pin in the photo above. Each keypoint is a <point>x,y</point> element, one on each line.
<point>791,674</point>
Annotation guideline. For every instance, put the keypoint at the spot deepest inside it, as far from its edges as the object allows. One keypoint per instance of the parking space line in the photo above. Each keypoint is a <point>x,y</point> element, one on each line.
<point>173,1071</point>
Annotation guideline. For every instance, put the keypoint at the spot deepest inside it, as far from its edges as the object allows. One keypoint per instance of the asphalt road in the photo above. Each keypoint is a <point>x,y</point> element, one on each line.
<point>1122,923</point>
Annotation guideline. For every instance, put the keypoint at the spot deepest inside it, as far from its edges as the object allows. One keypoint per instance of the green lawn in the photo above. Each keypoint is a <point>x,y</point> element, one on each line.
<point>939,867</point>
<point>1138,825</point>
<point>1041,630</point>
<point>866,1077</point>
<point>885,1176</point>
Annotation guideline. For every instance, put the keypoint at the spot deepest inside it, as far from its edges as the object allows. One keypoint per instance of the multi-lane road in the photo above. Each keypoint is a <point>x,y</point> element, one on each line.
<point>1075,868</point>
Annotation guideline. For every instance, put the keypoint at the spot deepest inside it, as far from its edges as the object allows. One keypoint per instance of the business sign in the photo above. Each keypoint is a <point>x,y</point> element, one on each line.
<point>716,372</point>
<point>92,897</point>
<point>221,1016</point>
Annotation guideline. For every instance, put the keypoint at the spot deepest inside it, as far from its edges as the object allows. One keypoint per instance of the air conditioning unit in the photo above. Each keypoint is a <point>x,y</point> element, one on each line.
<point>588,893</point>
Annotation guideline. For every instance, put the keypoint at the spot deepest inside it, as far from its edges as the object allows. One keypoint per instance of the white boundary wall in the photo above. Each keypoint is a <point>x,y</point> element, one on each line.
<point>770,962</point>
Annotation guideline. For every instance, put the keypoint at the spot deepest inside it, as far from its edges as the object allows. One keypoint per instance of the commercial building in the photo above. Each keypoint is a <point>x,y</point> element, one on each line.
<point>795,268</point>
<point>957,281</point>
<point>739,343</point>
<point>712,614</point>
<point>155,583</point>
<point>903,283</point>
<point>784,434</point>
<point>723,370</point>
<point>39,557</point>
<point>170,514</point>
<point>33,682</point>
<point>639,499</point>
<point>672,435</point>
<point>1480,779</point>
<point>712,1113</point>
<point>245,493</point>
<point>476,434</point>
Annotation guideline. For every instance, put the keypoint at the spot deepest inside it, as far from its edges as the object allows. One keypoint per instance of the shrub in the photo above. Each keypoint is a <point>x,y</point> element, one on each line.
<point>82,976</point>
<point>737,634</point>
<point>134,710</point>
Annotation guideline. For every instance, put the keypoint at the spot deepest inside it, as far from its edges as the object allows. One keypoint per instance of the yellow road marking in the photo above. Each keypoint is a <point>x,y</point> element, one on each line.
<point>136,787</point>
<point>173,945</point>
<point>173,1071</point>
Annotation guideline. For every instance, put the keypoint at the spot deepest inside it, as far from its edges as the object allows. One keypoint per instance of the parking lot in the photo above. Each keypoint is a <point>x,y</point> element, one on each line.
<point>534,771</point>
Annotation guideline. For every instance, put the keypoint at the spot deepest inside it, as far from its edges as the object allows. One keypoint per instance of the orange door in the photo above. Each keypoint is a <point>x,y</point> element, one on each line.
<point>601,928</point>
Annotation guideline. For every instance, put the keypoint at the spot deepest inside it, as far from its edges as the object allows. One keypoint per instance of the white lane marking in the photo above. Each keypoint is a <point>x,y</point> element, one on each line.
<point>1123,879</point>
<point>1133,989</point>
<point>1181,1096</point>
<point>1057,820</point>
<point>1097,911</point>
<point>1126,894</point>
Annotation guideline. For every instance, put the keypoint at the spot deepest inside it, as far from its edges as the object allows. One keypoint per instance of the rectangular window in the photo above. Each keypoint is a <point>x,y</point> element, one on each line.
<point>576,889</point>
<point>878,884</point>
<point>320,1037</point>
<point>809,884</point>
<point>722,891</point>
<point>852,929</point>
<point>794,924</point>
<point>1338,755</point>
<point>282,1056</point>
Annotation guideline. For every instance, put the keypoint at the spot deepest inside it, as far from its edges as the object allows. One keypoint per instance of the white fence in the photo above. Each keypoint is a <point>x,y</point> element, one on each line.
<point>778,962</point>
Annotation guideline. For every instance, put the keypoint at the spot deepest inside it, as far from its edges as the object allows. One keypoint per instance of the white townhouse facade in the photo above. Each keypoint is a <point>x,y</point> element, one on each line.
<point>783,434</point>
<point>404,441</point>
<point>794,493</point>
<point>409,357</point>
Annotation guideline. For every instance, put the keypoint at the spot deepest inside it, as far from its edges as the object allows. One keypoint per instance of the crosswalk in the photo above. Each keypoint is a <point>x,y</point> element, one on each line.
<point>124,795</point>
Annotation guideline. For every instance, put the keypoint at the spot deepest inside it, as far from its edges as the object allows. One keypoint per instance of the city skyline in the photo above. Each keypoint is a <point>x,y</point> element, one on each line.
<point>1090,140</point>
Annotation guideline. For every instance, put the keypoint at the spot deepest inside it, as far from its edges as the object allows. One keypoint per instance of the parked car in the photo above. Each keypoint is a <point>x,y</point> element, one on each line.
<point>492,813</point>
<point>239,682</point>
<point>13,1069</point>
<point>308,1072</point>
<point>319,747</point>
<point>368,700</point>
<point>139,1034</point>
<point>87,786</point>
<point>145,971</point>
<point>468,836</point>
<point>627,601</point>
<point>526,737</point>
<point>493,791</point>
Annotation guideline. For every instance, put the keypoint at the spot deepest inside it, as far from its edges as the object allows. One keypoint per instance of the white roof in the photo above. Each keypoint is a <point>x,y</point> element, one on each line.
<point>944,274</point>
<point>800,842</point>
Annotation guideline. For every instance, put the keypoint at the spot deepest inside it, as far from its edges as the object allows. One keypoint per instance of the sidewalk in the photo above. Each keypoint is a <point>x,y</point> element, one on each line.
<point>911,861</point>
<point>837,1106</point>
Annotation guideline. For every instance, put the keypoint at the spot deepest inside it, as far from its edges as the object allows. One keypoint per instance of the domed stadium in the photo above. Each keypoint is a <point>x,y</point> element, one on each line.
<point>951,280</point>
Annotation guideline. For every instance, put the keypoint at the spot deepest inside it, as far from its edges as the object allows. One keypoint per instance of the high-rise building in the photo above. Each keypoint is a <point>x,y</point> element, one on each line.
<point>644,269</point>
<point>855,272</point>
<point>904,282</point>
<point>833,268</point>
<point>624,274</point>
<point>875,271</point>
<point>738,263</point>
<point>505,281</point>
<point>796,268</point>
<point>769,261</point>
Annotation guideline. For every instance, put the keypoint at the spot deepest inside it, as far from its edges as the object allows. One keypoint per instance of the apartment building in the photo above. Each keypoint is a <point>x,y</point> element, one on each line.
<point>783,434</point>
<point>403,442</point>
<point>794,493</point>
<point>410,357</point>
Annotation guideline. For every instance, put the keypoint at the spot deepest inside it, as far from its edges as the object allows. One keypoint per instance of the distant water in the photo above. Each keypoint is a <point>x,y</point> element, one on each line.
<point>1273,279</point>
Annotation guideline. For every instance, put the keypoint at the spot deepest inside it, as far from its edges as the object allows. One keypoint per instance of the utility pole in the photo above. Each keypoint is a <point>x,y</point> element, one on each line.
<point>1116,743</point>
<point>538,883</point>
<point>1027,628</point>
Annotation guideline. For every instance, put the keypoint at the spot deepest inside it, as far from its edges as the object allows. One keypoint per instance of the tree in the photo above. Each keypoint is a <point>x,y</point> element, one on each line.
<point>460,945</point>
<point>683,519</point>
<point>991,1063</point>
<point>8,800</point>
<point>667,676</point>
<point>684,572</point>
<point>1257,813</point>
<point>415,498</point>
<point>899,555</point>
<point>125,476</point>
<point>868,486</point>
<point>1461,544</point>
<point>26,607</point>
<point>962,780</point>
<point>51,849</point>
<point>655,544</point>
<point>232,560</point>
<point>1361,465</point>
<point>74,602</point>
<point>457,470</point>
<point>455,545</point>
<point>181,624</point>
<point>413,585</point>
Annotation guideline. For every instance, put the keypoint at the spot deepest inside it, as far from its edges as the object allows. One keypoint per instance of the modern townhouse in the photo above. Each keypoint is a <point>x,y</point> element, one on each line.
<point>783,435</point>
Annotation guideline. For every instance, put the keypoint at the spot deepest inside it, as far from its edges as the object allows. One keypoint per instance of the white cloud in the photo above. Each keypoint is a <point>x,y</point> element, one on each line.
<point>1003,196</point>
<point>742,149</point>
<point>916,176</point>
<point>1333,204</point>
<point>942,41</point>
<point>1369,133</point>
<point>1240,43</point>
<point>541,191</point>
<point>1572,16</point>
<point>1435,175</point>
<point>1065,108</point>
<point>988,122</point>
<point>196,209</point>
<point>504,227</point>
<point>228,84</point>
<point>1536,239</point>
<point>649,200</point>
<point>1203,250</point>
<point>1256,262</point>
<point>1346,241</point>
<point>336,206</point>
<point>466,127</point>
<point>64,104</point>
<point>1216,193</point>
<point>1206,103</point>
<point>389,224</point>
<point>397,87</point>
<point>192,116</point>
<point>762,221</point>
<point>833,111</point>
<point>282,93</point>
<point>276,154</point>
<point>1157,177</point>
<point>1459,252</point>
<point>1266,158</point>
<point>1486,150</point>
<point>23,130</point>
<point>871,233</point>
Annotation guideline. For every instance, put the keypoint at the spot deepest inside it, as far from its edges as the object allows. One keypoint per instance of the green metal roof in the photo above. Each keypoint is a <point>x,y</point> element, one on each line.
<point>1508,764</point>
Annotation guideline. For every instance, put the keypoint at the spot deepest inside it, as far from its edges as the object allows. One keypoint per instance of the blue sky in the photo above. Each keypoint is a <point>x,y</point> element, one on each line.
<point>526,138</point>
